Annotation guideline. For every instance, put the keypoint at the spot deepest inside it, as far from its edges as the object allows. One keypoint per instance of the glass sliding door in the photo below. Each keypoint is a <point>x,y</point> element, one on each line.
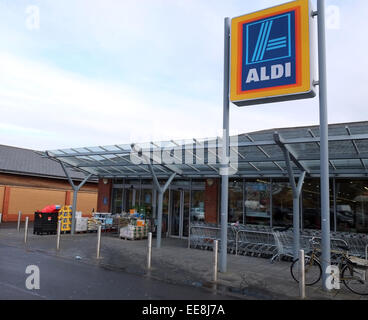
<point>176,207</point>
<point>117,202</point>
<point>179,213</point>
<point>186,208</point>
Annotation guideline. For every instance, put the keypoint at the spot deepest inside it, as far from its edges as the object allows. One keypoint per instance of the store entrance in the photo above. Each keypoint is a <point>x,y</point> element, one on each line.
<point>179,213</point>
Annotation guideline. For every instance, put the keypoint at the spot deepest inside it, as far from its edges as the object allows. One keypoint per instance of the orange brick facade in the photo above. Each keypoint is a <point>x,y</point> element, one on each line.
<point>29,194</point>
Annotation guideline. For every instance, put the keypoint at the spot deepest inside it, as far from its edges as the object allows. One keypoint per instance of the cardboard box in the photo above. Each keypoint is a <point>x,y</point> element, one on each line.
<point>81,224</point>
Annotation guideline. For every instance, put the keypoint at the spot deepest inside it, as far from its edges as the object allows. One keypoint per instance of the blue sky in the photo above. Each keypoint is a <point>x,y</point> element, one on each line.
<point>107,72</point>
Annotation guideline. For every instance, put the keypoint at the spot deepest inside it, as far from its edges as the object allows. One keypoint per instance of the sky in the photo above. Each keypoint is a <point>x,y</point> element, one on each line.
<point>102,72</point>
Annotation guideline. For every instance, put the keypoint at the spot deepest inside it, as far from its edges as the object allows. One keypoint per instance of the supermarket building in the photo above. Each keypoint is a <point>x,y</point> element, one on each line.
<point>29,182</point>
<point>259,188</point>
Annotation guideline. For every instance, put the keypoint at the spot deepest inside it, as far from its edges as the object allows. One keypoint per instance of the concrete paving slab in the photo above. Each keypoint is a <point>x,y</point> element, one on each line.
<point>248,277</point>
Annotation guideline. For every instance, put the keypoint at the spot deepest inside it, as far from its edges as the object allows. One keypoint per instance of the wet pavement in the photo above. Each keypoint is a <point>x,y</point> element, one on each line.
<point>174,263</point>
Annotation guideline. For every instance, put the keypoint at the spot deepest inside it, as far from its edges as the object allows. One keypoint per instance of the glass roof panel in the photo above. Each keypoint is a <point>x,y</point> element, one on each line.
<point>256,157</point>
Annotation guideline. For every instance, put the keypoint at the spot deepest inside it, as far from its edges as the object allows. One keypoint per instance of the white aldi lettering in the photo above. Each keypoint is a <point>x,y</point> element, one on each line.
<point>274,72</point>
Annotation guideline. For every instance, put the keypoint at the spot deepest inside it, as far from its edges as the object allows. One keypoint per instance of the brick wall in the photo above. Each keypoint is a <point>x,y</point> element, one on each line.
<point>104,196</point>
<point>211,201</point>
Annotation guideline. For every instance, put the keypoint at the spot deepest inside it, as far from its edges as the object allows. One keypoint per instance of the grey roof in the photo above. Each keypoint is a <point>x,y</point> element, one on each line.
<point>29,162</point>
<point>256,154</point>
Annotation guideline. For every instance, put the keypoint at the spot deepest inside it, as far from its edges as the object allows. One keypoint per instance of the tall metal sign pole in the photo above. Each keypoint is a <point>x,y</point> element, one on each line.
<point>272,60</point>
<point>225,150</point>
<point>325,185</point>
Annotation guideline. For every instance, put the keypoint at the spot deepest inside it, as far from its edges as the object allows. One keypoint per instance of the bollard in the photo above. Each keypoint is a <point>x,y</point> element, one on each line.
<point>236,243</point>
<point>98,241</point>
<point>19,219</point>
<point>1,217</point>
<point>149,252</point>
<point>26,230</point>
<point>215,251</point>
<point>301,274</point>
<point>58,235</point>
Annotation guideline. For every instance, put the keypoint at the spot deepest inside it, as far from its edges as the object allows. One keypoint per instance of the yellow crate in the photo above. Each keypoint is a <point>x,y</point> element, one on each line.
<point>66,210</point>
<point>65,227</point>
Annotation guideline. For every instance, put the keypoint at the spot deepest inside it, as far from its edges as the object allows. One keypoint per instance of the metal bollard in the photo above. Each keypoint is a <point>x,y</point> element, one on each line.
<point>26,230</point>
<point>236,243</point>
<point>98,241</point>
<point>19,219</point>
<point>301,274</point>
<point>215,251</point>
<point>149,252</point>
<point>58,235</point>
<point>1,217</point>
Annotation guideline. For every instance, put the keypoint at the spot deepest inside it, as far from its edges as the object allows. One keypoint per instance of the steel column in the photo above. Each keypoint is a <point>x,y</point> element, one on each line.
<point>160,191</point>
<point>74,209</point>
<point>159,218</point>
<point>225,149</point>
<point>297,189</point>
<point>325,200</point>
<point>75,193</point>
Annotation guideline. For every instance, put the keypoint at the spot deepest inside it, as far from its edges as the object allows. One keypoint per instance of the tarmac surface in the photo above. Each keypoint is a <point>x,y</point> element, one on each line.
<point>174,263</point>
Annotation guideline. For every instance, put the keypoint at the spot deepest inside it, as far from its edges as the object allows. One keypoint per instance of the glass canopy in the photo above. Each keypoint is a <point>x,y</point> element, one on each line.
<point>257,154</point>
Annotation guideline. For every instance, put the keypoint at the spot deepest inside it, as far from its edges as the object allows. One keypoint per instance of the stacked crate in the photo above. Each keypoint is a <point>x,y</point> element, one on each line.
<point>133,232</point>
<point>92,224</point>
<point>65,216</point>
<point>81,224</point>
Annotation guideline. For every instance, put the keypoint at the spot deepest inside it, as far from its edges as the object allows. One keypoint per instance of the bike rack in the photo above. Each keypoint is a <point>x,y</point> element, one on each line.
<point>265,241</point>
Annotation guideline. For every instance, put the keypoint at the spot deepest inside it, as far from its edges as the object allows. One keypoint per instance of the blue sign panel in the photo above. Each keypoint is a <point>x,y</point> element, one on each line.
<point>270,52</point>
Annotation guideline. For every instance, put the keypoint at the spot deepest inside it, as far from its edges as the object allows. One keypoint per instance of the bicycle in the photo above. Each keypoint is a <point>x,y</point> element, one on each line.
<point>353,270</point>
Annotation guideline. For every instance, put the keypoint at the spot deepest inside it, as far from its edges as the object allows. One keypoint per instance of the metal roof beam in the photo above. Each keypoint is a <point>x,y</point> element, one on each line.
<point>356,147</point>
<point>265,153</point>
<point>287,149</point>
<point>319,146</point>
<point>152,157</point>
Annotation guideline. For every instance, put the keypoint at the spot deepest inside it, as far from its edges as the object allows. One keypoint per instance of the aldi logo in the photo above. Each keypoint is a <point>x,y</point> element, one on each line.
<point>269,52</point>
<point>270,55</point>
<point>269,39</point>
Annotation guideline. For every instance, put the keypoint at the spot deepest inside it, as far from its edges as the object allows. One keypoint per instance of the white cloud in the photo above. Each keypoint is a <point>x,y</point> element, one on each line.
<point>124,71</point>
<point>80,111</point>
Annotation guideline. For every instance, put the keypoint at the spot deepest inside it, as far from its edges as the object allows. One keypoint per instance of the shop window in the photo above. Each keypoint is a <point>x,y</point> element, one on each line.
<point>197,210</point>
<point>282,204</point>
<point>257,203</point>
<point>236,201</point>
<point>352,206</point>
<point>312,205</point>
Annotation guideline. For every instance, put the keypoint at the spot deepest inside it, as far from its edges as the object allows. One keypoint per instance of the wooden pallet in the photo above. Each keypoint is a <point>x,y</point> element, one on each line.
<point>81,231</point>
<point>44,233</point>
<point>132,239</point>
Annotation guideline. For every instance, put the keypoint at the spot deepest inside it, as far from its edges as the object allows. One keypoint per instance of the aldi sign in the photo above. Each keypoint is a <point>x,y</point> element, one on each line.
<point>271,56</point>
